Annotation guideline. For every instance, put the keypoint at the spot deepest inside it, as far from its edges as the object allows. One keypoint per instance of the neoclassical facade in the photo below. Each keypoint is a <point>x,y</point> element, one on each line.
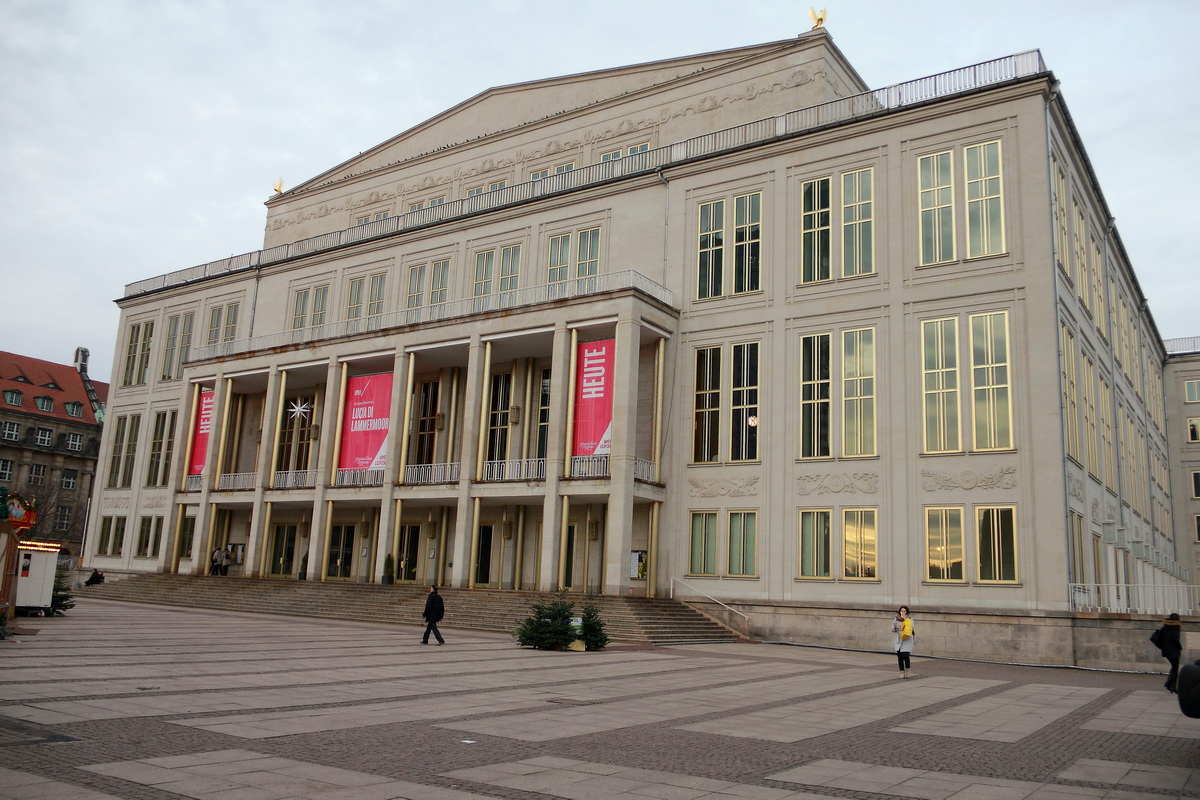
<point>730,325</point>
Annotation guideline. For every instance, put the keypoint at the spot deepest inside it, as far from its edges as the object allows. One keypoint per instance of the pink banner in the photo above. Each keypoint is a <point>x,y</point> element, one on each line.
<point>593,398</point>
<point>365,422</point>
<point>200,434</point>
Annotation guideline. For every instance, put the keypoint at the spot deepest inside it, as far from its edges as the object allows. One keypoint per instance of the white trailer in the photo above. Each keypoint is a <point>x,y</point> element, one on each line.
<point>37,563</point>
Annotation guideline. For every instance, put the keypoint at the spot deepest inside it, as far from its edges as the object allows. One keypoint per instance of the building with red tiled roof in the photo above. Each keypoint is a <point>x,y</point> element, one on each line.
<point>50,422</point>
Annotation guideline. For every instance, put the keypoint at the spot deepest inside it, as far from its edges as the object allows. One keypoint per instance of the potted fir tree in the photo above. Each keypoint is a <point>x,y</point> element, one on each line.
<point>389,570</point>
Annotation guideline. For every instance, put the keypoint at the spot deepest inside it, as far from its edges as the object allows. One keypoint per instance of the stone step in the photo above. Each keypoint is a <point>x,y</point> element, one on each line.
<point>626,618</point>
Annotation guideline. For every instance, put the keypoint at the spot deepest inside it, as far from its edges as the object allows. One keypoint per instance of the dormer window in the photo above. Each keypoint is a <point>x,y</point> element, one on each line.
<point>12,397</point>
<point>44,403</point>
<point>74,409</point>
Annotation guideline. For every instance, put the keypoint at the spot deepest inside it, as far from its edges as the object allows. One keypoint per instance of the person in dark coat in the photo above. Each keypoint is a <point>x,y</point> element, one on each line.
<point>1166,639</point>
<point>435,609</point>
<point>96,577</point>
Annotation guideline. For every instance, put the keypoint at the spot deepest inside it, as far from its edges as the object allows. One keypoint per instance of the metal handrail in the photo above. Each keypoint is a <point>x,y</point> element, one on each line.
<point>921,90</point>
<point>726,606</point>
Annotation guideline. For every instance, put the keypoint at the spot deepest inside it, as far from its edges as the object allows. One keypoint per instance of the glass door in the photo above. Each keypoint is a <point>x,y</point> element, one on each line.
<point>410,543</point>
<point>283,551</point>
<point>483,567</point>
<point>341,552</point>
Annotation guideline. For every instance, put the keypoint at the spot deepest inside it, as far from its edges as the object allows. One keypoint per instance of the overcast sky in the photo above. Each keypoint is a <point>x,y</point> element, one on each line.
<point>139,137</point>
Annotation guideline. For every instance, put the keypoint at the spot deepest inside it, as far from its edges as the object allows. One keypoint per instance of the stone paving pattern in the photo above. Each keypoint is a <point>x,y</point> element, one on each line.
<point>117,700</point>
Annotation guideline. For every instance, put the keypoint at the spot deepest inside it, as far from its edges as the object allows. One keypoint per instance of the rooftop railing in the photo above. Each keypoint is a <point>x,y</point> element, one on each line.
<point>1188,344</point>
<point>922,90</point>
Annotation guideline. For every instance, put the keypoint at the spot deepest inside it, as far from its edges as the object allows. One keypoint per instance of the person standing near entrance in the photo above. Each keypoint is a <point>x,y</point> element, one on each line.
<point>1166,639</point>
<point>435,609</point>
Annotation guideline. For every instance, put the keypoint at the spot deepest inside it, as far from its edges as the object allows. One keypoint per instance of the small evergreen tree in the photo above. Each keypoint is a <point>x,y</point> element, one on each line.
<point>548,627</point>
<point>593,635</point>
<point>60,597</point>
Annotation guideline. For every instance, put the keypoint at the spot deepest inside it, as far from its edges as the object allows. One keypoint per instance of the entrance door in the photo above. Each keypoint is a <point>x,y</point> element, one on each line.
<point>341,552</point>
<point>483,567</point>
<point>283,550</point>
<point>410,542</point>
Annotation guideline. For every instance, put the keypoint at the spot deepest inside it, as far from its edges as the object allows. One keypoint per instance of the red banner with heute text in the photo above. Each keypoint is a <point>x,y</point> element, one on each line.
<point>593,398</point>
<point>201,431</point>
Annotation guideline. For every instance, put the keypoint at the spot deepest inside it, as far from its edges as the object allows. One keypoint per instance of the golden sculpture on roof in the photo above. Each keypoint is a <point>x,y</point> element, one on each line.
<point>818,18</point>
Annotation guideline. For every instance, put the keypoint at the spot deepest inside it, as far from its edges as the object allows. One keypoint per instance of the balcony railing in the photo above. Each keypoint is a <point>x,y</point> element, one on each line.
<point>360,477</point>
<point>193,483</point>
<point>643,470</point>
<point>295,479</point>
<point>1137,598</point>
<point>236,480</point>
<point>860,106</point>
<point>521,469</point>
<point>431,473</point>
<point>1188,344</point>
<point>589,466</point>
<point>579,287</point>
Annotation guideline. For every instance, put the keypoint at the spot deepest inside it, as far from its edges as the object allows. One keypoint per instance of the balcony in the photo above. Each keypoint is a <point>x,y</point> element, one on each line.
<point>416,474</point>
<point>521,469</point>
<point>562,290</point>
<point>359,477</point>
<point>644,470</point>
<point>193,483</point>
<point>589,466</point>
<point>236,481</point>
<point>295,479</point>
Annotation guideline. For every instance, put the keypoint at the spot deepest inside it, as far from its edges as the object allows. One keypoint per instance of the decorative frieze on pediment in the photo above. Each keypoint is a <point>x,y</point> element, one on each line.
<point>724,487</point>
<point>998,478</point>
<point>830,483</point>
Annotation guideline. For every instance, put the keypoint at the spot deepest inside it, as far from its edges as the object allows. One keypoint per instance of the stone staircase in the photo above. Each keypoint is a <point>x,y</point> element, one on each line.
<point>626,619</point>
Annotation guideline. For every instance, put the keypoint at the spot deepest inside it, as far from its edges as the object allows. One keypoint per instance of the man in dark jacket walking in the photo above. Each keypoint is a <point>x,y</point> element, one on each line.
<point>1166,639</point>
<point>435,609</point>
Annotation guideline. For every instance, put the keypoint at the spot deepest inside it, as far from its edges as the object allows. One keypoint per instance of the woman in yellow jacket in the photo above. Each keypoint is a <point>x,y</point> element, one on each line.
<point>903,636</point>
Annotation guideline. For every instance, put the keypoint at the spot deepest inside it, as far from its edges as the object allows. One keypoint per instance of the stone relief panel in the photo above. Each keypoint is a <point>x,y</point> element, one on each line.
<point>1075,488</point>
<point>829,483</point>
<point>724,487</point>
<point>706,104</point>
<point>998,478</point>
<point>116,503</point>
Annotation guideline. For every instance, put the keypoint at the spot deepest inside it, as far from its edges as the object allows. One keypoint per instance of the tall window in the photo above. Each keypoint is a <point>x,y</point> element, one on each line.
<point>178,345</point>
<point>354,297</point>
<point>559,258</point>
<point>744,403</point>
<point>815,399</point>
<point>710,276</point>
<point>187,534</point>
<point>703,552</point>
<point>814,543</point>
<point>222,323</point>
<point>426,423</point>
<point>498,416</point>
<point>124,451</point>
<point>485,263</point>
<point>295,437</point>
<point>939,342</point>
<point>944,544</point>
<point>1107,442</point>
<point>149,537</point>
<point>416,286</point>
<point>936,176</point>
<point>997,543</point>
<point>543,420</point>
<point>162,442</point>
<point>137,355</point>
<point>300,309</point>
<point>112,536</point>
<point>747,233</point>
<point>37,475</point>
<point>1091,452</point>
<point>985,212</point>
<point>858,239</point>
<point>706,424</point>
<point>510,268</point>
<point>1099,310</point>
<point>62,518</point>
<point>587,262</point>
<point>375,296</point>
<point>743,529</point>
<point>6,469</point>
<point>440,282</point>
<point>814,230</point>
<point>1060,219</point>
<point>860,542</point>
<point>992,405</point>
<point>858,392</point>
<point>1069,399</point>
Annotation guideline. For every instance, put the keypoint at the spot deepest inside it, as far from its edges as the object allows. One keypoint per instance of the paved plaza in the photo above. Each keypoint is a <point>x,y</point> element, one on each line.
<point>125,701</point>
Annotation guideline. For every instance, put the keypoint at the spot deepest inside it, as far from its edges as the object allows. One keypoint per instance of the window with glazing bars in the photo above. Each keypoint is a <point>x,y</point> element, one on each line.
<point>706,428</point>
